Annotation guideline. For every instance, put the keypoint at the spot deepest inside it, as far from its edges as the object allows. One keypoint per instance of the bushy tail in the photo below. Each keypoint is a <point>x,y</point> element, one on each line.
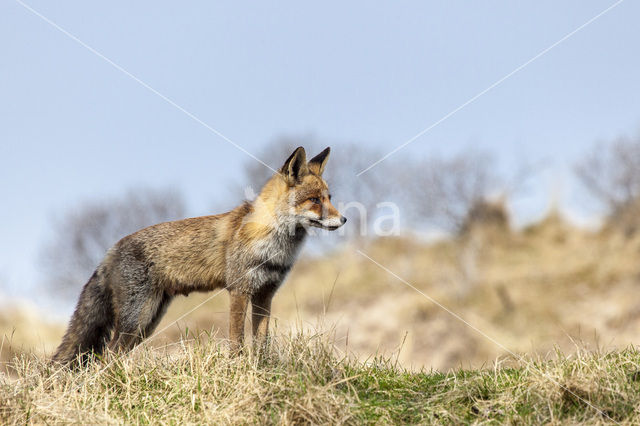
<point>91,323</point>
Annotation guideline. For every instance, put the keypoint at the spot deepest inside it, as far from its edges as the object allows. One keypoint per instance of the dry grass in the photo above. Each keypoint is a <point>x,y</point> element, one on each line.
<point>22,331</point>
<point>193,382</point>
<point>306,380</point>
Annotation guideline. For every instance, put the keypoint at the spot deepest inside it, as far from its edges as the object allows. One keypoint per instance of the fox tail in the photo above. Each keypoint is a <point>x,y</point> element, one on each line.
<point>91,324</point>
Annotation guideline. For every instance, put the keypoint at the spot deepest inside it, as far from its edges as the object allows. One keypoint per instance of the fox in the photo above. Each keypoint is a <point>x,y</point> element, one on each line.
<point>247,251</point>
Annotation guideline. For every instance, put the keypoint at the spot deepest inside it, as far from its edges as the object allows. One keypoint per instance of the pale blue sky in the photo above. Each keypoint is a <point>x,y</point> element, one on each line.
<point>73,127</point>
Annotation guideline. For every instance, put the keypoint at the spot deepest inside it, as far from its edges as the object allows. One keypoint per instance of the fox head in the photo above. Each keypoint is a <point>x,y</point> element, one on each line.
<point>297,196</point>
<point>307,193</point>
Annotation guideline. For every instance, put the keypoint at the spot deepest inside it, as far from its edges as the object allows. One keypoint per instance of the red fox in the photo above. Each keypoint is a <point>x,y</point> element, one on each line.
<point>248,251</point>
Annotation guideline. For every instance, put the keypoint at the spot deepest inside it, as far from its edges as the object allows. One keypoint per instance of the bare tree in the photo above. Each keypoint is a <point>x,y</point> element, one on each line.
<point>449,192</point>
<point>611,175</point>
<point>82,236</point>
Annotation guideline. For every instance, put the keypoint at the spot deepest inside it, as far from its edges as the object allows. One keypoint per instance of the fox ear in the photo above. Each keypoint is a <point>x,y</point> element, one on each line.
<point>317,163</point>
<point>295,167</point>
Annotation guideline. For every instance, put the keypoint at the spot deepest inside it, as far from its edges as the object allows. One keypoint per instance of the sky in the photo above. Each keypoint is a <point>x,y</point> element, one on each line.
<point>162,93</point>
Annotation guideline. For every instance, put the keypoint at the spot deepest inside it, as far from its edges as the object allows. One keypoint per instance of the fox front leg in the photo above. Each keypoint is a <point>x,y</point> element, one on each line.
<point>260,314</point>
<point>237,314</point>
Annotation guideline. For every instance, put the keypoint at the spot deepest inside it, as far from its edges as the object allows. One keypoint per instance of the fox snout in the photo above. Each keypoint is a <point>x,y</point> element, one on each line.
<point>331,223</point>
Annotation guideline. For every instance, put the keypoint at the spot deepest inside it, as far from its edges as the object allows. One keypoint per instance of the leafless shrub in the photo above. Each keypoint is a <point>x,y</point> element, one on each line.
<point>611,175</point>
<point>449,192</point>
<point>491,214</point>
<point>81,237</point>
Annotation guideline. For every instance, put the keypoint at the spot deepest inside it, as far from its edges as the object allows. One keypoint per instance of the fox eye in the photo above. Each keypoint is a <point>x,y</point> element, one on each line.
<point>315,200</point>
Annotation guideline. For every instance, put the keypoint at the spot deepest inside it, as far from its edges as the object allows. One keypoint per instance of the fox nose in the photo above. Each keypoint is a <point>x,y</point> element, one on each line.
<point>343,220</point>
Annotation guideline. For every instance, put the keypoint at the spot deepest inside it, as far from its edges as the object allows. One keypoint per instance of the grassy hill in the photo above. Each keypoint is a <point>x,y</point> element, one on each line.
<point>309,380</point>
<point>380,345</point>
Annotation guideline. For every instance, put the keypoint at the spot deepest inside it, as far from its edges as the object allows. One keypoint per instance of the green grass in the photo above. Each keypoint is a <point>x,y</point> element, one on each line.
<point>306,380</point>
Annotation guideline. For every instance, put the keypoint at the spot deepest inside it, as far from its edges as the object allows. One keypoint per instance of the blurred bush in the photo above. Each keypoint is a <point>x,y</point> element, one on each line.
<point>81,237</point>
<point>611,175</point>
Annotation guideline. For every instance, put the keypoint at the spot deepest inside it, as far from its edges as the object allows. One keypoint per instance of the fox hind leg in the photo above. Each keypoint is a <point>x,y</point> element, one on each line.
<point>138,319</point>
<point>160,311</point>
